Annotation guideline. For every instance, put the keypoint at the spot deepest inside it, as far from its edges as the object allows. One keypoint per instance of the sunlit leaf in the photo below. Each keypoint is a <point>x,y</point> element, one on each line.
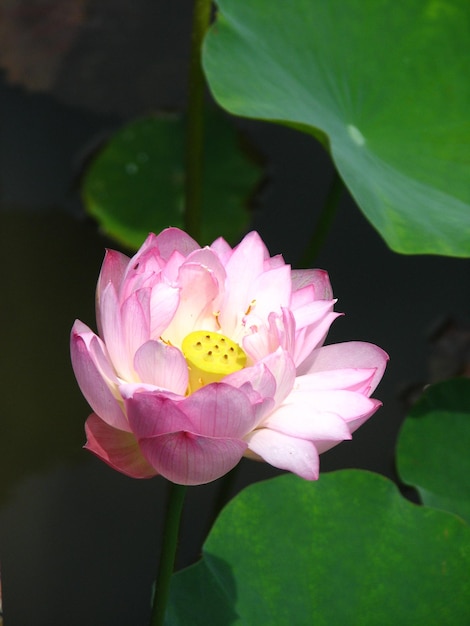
<point>136,183</point>
<point>384,84</point>
<point>434,447</point>
<point>348,549</point>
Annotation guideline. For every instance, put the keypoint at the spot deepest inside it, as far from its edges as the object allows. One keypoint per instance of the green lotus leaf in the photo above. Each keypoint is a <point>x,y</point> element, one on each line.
<point>135,185</point>
<point>384,85</point>
<point>433,447</point>
<point>347,549</point>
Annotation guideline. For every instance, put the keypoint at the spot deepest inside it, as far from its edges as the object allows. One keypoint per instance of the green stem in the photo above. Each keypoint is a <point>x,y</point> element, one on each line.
<point>195,129</point>
<point>324,221</point>
<point>168,553</point>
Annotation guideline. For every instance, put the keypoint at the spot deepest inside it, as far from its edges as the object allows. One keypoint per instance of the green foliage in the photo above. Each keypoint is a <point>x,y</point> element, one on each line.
<point>384,85</point>
<point>135,185</point>
<point>346,550</point>
<point>434,447</point>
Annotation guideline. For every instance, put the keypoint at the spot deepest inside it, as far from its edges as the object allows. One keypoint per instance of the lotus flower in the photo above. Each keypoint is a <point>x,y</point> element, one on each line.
<point>206,355</point>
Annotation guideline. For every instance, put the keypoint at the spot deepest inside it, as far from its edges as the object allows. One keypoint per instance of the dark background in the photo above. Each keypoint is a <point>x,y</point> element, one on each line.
<point>79,542</point>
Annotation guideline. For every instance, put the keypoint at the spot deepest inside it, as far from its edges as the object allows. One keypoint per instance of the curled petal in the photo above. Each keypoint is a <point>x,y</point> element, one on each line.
<point>319,279</point>
<point>95,375</point>
<point>189,459</point>
<point>351,354</point>
<point>282,368</point>
<point>285,452</point>
<point>118,449</point>
<point>162,365</point>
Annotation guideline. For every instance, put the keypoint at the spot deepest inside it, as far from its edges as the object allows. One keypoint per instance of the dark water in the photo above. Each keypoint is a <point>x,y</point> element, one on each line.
<point>79,542</point>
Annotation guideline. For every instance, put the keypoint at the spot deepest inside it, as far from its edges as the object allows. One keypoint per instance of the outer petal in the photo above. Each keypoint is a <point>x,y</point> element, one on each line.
<point>189,459</point>
<point>219,410</point>
<point>153,413</point>
<point>349,379</point>
<point>222,249</point>
<point>95,375</point>
<point>318,278</point>
<point>162,365</point>
<point>113,333</point>
<point>118,449</point>
<point>135,317</point>
<point>349,405</point>
<point>289,453</point>
<point>259,385</point>
<point>351,354</point>
<point>172,239</point>
<point>299,420</point>
<point>112,271</point>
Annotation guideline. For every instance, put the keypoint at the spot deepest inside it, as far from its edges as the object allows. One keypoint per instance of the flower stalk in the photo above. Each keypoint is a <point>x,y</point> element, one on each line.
<point>168,552</point>
<point>195,122</point>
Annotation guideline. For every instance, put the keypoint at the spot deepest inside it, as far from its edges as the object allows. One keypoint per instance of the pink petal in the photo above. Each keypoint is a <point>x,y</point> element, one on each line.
<point>112,271</point>
<point>281,366</point>
<point>164,302</point>
<point>264,340</point>
<point>358,380</point>
<point>174,239</point>
<point>113,333</point>
<point>162,365</point>
<point>222,249</point>
<point>275,261</point>
<point>198,303</point>
<point>95,376</point>
<point>118,449</point>
<point>259,385</point>
<point>153,413</point>
<point>271,291</point>
<point>209,260</point>
<point>135,316</point>
<point>310,336</point>
<point>219,410</point>
<point>318,278</point>
<point>285,452</point>
<point>349,405</point>
<point>188,459</point>
<point>243,266</point>
<point>300,419</point>
<point>351,354</point>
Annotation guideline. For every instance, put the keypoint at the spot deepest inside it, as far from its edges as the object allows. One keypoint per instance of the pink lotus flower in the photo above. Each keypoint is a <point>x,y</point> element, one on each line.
<point>205,355</point>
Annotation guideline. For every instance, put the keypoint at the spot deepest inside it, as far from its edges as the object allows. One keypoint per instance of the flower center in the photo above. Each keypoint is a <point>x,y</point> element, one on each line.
<point>210,356</point>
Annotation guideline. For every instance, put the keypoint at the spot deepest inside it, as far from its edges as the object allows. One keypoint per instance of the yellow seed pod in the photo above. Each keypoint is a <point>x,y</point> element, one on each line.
<point>210,356</point>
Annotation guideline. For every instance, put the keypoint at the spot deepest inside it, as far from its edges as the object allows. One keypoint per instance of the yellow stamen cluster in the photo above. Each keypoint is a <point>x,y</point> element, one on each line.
<point>210,356</point>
